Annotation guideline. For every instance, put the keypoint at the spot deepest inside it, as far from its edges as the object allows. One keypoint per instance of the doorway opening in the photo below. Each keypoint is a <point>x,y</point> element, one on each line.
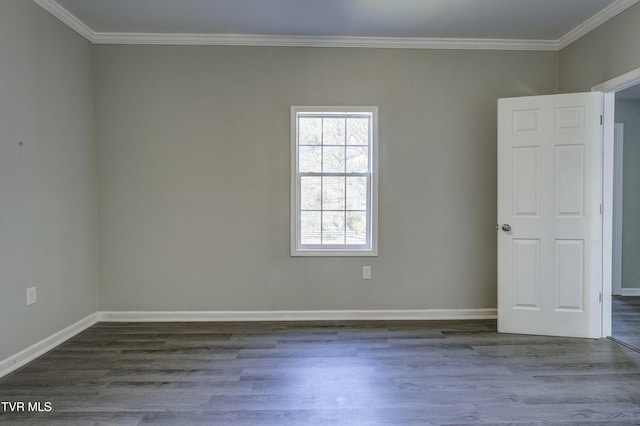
<point>621,301</point>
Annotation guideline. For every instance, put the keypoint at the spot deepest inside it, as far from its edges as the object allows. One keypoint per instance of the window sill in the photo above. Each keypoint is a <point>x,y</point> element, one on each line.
<point>333,253</point>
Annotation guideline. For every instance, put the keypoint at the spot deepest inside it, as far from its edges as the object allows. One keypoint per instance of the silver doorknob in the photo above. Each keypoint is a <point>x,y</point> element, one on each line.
<point>506,227</point>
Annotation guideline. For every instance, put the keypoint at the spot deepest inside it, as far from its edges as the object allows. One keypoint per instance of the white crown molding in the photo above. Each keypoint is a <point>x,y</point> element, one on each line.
<point>326,41</point>
<point>330,315</point>
<point>62,14</point>
<point>314,41</point>
<point>595,21</point>
<point>45,345</point>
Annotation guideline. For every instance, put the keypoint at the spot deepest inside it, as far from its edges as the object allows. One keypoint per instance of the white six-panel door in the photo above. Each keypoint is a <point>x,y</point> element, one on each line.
<point>549,195</point>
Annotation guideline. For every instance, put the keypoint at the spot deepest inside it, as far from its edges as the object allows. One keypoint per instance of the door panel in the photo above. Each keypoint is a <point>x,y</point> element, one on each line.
<point>549,192</point>
<point>526,182</point>
<point>569,180</point>
<point>570,283</point>
<point>526,276</point>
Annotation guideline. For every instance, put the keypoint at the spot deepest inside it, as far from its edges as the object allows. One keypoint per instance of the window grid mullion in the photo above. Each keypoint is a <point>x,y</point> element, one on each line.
<point>324,242</point>
<point>323,115</point>
<point>344,211</point>
<point>322,180</point>
<point>298,186</point>
<point>335,174</point>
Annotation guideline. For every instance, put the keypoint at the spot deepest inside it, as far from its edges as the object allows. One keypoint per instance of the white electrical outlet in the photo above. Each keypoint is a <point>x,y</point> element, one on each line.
<point>366,272</point>
<point>31,296</point>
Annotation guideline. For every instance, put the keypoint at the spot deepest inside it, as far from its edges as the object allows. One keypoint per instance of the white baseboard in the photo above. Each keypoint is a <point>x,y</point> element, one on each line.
<point>629,292</point>
<point>32,352</point>
<point>177,316</point>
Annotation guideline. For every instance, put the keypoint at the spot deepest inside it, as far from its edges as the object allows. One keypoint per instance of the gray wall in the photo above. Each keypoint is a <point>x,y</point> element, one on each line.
<point>194,174</point>
<point>194,170</point>
<point>48,209</point>
<point>628,112</point>
<point>605,53</point>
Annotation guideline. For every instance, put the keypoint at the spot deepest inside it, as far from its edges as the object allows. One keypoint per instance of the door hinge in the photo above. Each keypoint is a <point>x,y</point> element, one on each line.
<point>601,119</point>
<point>600,208</point>
<point>600,298</point>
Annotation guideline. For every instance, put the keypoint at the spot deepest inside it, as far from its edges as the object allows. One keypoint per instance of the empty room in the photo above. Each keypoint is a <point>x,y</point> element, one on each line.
<point>303,212</point>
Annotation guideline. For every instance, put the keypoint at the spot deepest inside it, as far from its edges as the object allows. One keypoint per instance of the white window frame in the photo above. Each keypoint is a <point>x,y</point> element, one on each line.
<point>371,246</point>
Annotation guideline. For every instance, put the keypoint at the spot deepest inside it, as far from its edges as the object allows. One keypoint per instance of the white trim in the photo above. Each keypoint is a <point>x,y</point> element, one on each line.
<point>20,359</point>
<point>609,88</point>
<point>321,315</point>
<point>37,349</point>
<point>325,41</point>
<point>624,81</point>
<point>618,155</point>
<point>594,22</point>
<point>609,101</point>
<point>630,292</point>
<point>336,41</point>
<point>371,248</point>
<point>65,16</point>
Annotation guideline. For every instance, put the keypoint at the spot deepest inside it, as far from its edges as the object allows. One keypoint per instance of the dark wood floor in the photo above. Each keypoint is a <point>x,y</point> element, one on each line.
<point>350,373</point>
<point>626,320</point>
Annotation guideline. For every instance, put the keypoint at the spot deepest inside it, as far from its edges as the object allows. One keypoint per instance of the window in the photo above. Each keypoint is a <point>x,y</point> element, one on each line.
<point>334,181</point>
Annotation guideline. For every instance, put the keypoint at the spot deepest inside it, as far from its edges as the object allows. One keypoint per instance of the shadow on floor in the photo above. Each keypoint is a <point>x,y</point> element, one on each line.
<point>626,321</point>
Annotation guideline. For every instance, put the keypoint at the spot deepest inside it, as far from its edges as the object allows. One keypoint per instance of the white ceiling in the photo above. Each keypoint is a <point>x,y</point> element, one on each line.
<point>411,20</point>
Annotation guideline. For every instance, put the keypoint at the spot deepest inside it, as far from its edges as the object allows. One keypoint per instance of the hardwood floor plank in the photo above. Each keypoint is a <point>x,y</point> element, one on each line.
<point>625,319</point>
<point>320,373</point>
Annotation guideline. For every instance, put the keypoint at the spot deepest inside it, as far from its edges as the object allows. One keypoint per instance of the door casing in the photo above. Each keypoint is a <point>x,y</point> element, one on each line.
<point>609,89</point>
